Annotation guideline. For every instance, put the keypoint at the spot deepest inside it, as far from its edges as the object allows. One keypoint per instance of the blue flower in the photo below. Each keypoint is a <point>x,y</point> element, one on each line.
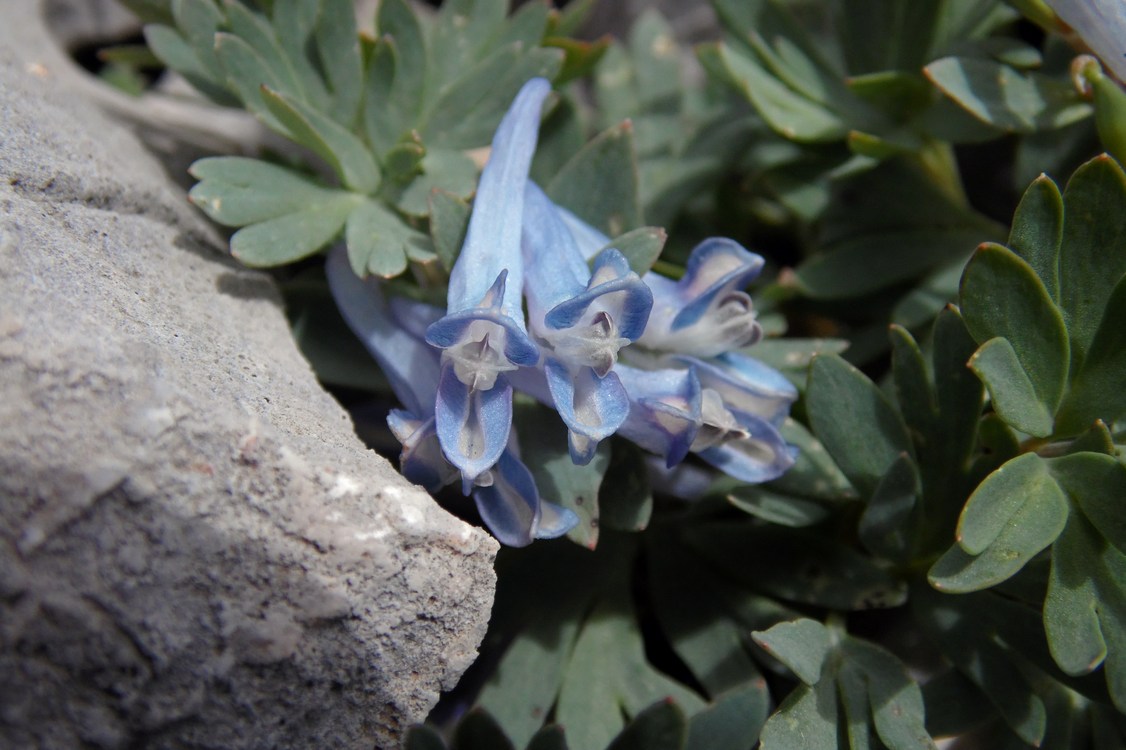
<point>505,493</point>
<point>688,391</point>
<point>581,318</point>
<point>483,335</point>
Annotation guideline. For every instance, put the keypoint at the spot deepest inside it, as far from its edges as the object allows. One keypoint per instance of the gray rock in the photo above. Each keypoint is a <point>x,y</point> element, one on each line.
<point>195,549</point>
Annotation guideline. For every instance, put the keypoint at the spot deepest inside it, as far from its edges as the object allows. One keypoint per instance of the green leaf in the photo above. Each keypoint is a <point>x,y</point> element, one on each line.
<point>662,726</point>
<point>792,356</point>
<point>993,508</point>
<point>246,73</point>
<point>1001,296</point>
<point>559,479</point>
<point>198,20</point>
<point>955,706</point>
<point>379,242</point>
<point>479,731</point>
<point>1014,514</point>
<point>691,610</point>
<point>913,392</point>
<point>346,153</point>
<point>962,628</point>
<point>796,565</point>
<point>422,737</point>
<point>1071,608</point>
<point>523,688</point>
<point>774,508</point>
<point>889,526</point>
<point>599,183</point>
<point>872,262</point>
<point>656,59</point>
<point>1096,391</point>
<point>257,32</point>
<point>449,220</point>
<point>1011,390</point>
<point>959,394</point>
<point>625,498</point>
<point>338,49</point>
<point>1093,253</point>
<point>550,737</point>
<point>802,645</point>
<point>855,422</point>
<point>236,191</point>
<point>1005,98</point>
<point>287,238</point>
<point>1038,230</point>
<point>172,50</point>
<point>461,29</point>
<point>806,720</point>
<point>597,690</point>
<point>789,113</point>
<point>641,246</point>
<point>449,171</point>
<point>1097,483</point>
<point>733,721</point>
<point>471,106</point>
<point>294,23</point>
<point>814,474</point>
<point>895,701</point>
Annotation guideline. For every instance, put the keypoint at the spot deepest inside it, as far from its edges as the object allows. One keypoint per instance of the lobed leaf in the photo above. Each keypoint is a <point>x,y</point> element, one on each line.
<point>1038,232</point>
<point>236,191</point>
<point>599,183</point>
<point>1092,254</point>
<point>855,422</point>
<point>802,645</point>
<point>1011,389</point>
<point>1001,296</point>
<point>287,238</point>
<point>346,153</point>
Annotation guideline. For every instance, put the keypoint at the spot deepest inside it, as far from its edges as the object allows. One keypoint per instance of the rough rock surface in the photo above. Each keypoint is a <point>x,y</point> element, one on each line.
<point>195,550</point>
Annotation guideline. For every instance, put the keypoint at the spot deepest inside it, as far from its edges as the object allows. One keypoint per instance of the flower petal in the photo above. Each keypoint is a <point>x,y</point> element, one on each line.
<point>1102,25</point>
<point>421,460</point>
<point>510,506</point>
<point>472,424</point>
<point>706,312</point>
<point>665,410</point>
<point>745,384</point>
<point>592,407</point>
<point>492,241</point>
<point>409,364</point>
<point>760,456</point>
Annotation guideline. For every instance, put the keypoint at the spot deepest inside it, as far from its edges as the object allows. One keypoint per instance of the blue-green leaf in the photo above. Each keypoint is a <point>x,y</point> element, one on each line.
<point>855,422</point>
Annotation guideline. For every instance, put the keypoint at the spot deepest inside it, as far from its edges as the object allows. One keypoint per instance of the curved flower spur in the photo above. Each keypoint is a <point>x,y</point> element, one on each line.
<point>581,317</point>
<point>482,335</point>
<point>510,504</point>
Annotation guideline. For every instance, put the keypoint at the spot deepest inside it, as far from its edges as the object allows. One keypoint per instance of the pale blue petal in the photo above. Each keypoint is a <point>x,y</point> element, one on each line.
<point>492,242</point>
<point>706,312</point>
<point>555,520</point>
<point>451,330</point>
<point>665,410</point>
<point>555,270</point>
<point>593,408</point>
<point>472,424</point>
<point>746,384</point>
<point>615,288</point>
<point>415,317</point>
<point>761,456</point>
<point>410,365</point>
<point>589,239</point>
<point>510,506</point>
<point>421,460</point>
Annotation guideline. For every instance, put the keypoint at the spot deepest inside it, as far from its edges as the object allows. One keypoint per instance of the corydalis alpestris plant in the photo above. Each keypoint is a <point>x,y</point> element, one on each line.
<point>519,245</point>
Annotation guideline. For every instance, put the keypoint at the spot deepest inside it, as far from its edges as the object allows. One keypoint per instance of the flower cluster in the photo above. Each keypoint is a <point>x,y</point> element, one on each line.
<point>648,358</point>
